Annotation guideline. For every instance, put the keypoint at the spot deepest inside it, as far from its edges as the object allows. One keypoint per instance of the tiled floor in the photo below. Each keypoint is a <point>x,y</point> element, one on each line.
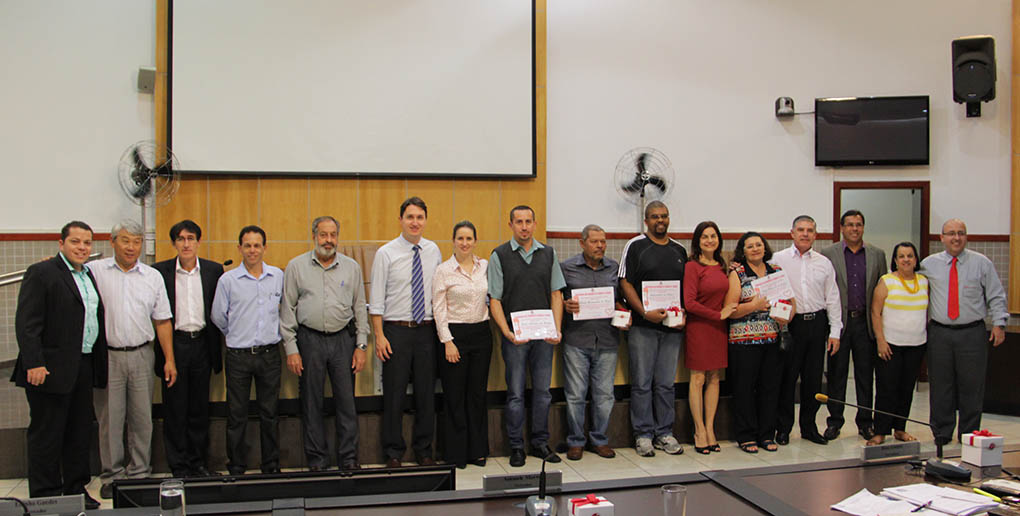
<point>627,464</point>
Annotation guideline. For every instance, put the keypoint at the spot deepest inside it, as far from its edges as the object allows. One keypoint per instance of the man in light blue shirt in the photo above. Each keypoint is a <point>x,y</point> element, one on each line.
<point>246,309</point>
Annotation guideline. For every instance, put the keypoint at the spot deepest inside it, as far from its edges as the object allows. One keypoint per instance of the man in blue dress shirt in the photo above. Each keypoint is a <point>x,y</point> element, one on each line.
<point>246,309</point>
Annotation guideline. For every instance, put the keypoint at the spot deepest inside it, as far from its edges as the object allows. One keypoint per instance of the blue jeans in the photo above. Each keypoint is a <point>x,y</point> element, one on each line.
<point>536,355</point>
<point>653,362</point>
<point>584,367</point>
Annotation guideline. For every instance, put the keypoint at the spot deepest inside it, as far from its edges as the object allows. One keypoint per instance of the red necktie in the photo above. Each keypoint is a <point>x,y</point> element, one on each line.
<point>954,292</point>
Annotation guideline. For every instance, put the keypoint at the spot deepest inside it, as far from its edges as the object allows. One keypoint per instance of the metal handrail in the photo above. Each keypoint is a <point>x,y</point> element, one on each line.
<point>11,278</point>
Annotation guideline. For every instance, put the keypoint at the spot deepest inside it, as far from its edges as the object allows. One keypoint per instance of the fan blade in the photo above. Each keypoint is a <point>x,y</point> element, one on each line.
<point>164,169</point>
<point>141,172</point>
<point>641,162</point>
<point>658,182</point>
<point>143,190</point>
<point>634,186</point>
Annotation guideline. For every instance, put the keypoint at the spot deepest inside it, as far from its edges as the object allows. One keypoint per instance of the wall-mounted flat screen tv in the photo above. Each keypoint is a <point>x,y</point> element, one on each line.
<point>871,131</point>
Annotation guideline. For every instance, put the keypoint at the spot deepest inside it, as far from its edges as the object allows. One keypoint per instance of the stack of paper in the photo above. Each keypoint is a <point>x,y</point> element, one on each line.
<point>863,503</point>
<point>942,499</point>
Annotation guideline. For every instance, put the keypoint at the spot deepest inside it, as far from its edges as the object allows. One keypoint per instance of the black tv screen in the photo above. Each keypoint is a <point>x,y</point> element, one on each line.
<point>867,131</point>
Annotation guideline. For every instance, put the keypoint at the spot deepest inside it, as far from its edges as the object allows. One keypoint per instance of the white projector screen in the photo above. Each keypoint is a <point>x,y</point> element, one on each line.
<point>353,87</point>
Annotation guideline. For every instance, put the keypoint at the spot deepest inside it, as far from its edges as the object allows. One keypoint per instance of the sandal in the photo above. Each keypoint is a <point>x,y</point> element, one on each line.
<point>769,445</point>
<point>704,450</point>
<point>748,447</point>
<point>714,447</point>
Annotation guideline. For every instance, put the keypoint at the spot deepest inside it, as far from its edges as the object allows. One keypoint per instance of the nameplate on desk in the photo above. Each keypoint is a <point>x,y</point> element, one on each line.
<point>891,450</point>
<point>68,504</point>
<point>523,483</point>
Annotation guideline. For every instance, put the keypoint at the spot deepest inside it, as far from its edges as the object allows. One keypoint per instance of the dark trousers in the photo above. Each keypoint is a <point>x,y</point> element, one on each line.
<point>754,371</point>
<point>957,361</point>
<point>242,367</point>
<point>327,354</point>
<point>804,358</point>
<point>186,406</point>
<point>466,428</point>
<point>854,340</point>
<point>413,358</point>
<point>894,386</point>
<point>60,436</point>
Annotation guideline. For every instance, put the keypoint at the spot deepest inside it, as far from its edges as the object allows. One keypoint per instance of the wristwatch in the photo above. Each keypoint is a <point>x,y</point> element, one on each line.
<point>363,346</point>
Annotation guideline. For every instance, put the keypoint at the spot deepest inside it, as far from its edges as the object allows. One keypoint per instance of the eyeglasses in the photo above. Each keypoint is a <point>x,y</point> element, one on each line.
<point>954,233</point>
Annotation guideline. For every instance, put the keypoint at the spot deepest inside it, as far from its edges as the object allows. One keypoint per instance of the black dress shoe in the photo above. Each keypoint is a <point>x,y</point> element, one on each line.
<point>814,437</point>
<point>867,432</point>
<point>106,491</point>
<point>782,438</point>
<point>517,457</point>
<point>351,465</point>
<point>91,504</point>
<point>316,468</point>
<point>478,462</point>
<point>543,451</point>
<point>180,473</point>
<point>426,461</point>
<point>393,463</point>
<point>235,472</point>
<point>202,471</point>
<point>832,432</point>
<point>271,471</point>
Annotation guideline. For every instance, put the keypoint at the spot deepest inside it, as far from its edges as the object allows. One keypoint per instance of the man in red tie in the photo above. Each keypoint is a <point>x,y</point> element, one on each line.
<point>964,289</point>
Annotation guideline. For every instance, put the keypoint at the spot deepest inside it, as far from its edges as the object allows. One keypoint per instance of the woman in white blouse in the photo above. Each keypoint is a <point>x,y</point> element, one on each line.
<point>460,308</point>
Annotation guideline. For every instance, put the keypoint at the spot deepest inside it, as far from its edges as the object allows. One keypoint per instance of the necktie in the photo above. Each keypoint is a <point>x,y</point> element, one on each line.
<point>954,292</point>
<point>417,287</point>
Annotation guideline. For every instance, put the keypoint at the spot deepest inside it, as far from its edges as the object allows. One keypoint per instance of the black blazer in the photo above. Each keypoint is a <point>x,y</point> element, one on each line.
<point>210,272</point>
<point>49,323</point>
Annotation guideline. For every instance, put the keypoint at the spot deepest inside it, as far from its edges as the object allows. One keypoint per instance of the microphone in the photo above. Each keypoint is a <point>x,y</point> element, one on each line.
<point>540,504</point>
<point>228,262</point>
<point>937,466</point>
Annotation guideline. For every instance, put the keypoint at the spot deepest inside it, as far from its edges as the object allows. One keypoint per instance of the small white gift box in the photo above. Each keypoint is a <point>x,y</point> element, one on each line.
<point>781,311</point>
<point>621,318</point>
<point>982,448</point>
<point>674,317</point>
<point>591,505</point>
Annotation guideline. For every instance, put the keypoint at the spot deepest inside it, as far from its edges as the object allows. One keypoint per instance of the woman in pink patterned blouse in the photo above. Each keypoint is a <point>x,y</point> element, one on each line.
<point>460,308</point>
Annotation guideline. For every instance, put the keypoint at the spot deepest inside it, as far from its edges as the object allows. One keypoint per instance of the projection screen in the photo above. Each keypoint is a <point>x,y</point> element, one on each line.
<point>389,87</point>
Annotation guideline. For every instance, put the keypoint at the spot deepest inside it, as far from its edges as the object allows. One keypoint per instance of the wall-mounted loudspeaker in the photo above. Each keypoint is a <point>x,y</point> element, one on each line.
<point>973,72</point>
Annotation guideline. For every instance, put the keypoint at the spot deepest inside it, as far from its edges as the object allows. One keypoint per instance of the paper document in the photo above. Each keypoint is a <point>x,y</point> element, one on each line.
<point>595,303</point>
<point>657,295</point>
<point>533,325</point>
<point>863,503</point>
<point>773,287</point>
<point>943,499</point>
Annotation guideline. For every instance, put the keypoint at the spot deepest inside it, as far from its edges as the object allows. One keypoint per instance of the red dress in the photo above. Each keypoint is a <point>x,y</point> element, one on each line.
<point>705,288</point>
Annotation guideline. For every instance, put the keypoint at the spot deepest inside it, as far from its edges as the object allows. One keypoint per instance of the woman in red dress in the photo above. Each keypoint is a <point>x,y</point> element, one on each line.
<point>705,287</point>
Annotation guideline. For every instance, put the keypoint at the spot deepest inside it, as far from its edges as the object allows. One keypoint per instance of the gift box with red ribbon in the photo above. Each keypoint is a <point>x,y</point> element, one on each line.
<point>982,448</point>
<point>591,505</point>
<point>674,316</point>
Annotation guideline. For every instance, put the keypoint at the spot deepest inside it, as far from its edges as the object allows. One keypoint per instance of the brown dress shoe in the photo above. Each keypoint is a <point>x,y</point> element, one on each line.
<point>575,452</point>
<point>605,451</point>
<point>393,463</point>
<point>426,461</point>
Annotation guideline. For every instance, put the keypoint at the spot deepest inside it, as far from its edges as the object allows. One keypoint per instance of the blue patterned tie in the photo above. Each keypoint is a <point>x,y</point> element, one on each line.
<point>417,287</point>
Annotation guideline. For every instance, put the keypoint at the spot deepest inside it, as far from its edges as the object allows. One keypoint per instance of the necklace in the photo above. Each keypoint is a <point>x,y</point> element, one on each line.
<point>917,284</point>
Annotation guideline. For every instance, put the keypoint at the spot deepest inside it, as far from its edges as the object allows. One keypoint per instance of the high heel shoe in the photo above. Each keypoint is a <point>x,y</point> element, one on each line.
<point>714,448</point>
<point>704,450</point>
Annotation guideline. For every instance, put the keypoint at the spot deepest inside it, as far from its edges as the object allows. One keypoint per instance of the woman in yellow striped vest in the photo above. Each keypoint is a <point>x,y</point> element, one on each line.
<point>899,312</point>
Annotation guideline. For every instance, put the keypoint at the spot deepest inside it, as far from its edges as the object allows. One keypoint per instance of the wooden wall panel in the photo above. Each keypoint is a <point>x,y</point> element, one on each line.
<point>438,196</point>
<point>379,201</point>
<point>338,198</point>
<point>233,204</point>
<point>191,202</point>
<point>478,200</point>
<point>283,209</point>
<point>280,254</point>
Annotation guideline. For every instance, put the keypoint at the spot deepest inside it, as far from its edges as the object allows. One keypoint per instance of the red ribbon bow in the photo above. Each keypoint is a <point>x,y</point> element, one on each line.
<point>982,433</point>
<point>588,499</point>
<point>674,309</point>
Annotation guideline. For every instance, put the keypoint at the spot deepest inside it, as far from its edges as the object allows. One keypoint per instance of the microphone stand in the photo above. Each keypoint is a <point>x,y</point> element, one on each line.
<point>936,467</point>
<point>540,504</point>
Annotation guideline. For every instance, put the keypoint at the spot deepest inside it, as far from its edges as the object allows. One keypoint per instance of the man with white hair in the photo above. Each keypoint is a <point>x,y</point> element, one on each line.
<point>324,325</point>
<point>137,311</point>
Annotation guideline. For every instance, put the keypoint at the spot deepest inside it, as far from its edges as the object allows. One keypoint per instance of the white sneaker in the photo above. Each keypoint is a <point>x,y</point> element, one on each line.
<point>668,444</point>
<point>643,447</point>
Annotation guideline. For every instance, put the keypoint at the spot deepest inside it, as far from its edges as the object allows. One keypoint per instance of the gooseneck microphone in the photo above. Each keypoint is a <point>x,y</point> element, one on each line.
<point>540,504</point>
<point>935,467</point>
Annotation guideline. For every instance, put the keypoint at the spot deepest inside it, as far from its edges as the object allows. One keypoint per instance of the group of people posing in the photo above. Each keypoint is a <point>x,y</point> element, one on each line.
<point>86,330</point>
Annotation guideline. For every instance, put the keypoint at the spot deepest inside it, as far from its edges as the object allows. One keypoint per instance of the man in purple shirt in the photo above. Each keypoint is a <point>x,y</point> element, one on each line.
<point>858,269</point>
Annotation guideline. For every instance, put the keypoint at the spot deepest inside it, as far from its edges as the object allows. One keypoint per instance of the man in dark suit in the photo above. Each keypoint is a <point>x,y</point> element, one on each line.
<point>859,267</point>
<point>190,286</point>
<point>61,357</point>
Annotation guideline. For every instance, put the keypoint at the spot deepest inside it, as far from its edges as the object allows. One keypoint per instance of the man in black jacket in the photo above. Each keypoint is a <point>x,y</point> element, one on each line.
<point>190,286</point>
<point>61,357</point>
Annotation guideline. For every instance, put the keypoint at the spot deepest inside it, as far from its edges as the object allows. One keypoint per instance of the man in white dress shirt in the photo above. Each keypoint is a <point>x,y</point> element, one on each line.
<point>137,311</point>
<point>815,329</point>
<point>405,334</point>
